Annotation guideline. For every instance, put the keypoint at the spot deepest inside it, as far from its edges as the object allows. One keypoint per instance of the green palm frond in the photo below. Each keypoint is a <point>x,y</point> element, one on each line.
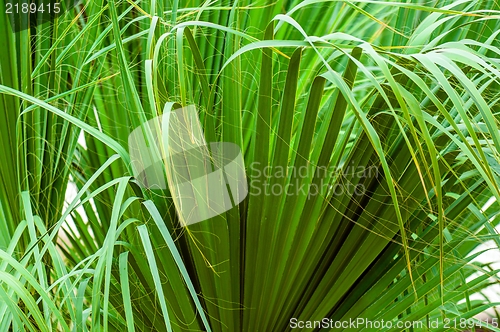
<point>370,136</point>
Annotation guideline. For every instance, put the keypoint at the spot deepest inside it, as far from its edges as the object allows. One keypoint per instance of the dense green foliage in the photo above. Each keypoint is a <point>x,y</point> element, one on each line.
<point>400,100</point>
